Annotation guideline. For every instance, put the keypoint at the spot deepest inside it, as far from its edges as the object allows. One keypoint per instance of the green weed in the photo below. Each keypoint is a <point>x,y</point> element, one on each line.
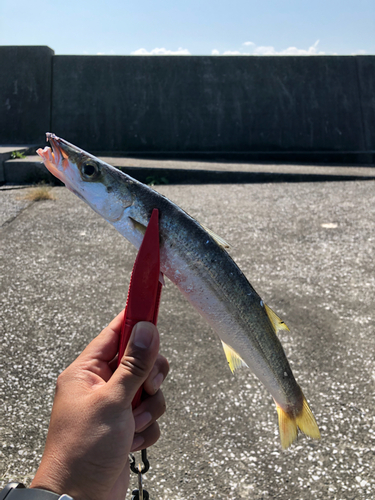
<point>154,180</point>
<point>17,155</point>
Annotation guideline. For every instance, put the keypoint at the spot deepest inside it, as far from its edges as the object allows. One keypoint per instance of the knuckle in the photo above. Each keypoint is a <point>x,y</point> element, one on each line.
<point>156,431</point>
<point>136,366</point>
<point>162,407</point>
<point>163,364</point>
<point>61,379</point>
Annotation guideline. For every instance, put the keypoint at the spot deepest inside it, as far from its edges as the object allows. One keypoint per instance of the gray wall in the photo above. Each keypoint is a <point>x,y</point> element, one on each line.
<point>210,103</point>
<point>25,94</point>
<point>366,89</point>
<point>188,103</point>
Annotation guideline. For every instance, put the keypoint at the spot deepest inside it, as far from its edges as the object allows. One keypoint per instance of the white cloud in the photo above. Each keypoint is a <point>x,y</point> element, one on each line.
<point>291,51</point>
<point>249,49</point>
<point>161,52</point>
<point>271,51</point>
<point>110,53</point>
<point>235,53</point>
<point>264,51</point>
<point>359,53</point>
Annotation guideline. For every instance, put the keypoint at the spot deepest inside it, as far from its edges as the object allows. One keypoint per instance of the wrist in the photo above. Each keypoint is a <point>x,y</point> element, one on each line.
<point>53,492</point>
<point>52,479</point>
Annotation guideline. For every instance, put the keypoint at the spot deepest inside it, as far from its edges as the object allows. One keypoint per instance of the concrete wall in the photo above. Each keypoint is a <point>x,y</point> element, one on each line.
<point>366,83</point>
<point>190,104</point>
<point>209,103</point>
<point>25,94</point>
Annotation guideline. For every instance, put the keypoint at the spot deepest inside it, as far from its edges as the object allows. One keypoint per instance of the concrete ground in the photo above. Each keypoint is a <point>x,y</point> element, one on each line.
<point>307,248</point>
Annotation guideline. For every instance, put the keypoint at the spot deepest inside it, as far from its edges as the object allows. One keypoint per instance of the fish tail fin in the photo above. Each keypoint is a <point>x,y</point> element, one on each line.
<point>306,421</point>
<point>290,423</point>
<point>287,427</point>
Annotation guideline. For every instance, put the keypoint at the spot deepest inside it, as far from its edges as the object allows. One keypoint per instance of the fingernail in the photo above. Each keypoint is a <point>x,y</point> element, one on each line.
<point>141,420</point>
<point>143,334</point>
<point>137,442</point>
<point>158,380</point>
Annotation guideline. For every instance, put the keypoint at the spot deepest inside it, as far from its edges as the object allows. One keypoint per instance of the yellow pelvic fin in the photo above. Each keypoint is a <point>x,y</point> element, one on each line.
<point>234,360</point>
<point>289,424</point>
<point>219,240</point>
<point>276,322</point>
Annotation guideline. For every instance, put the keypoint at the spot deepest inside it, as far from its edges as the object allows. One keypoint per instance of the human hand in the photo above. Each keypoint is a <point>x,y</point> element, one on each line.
<point>92,427</point>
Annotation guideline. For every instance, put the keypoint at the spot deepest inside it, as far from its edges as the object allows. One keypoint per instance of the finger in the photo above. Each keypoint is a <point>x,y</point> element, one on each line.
<point>116,323</point>
<point>157,375</point>
<point>105,346</point>
<point>161,366</point>
<point>137,362</point>
<point>146,438</point>
<point>149,411</point>
<point>98,354</point>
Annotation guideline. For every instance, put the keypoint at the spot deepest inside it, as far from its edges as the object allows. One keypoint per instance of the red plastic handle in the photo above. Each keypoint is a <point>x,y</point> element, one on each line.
<point>144,290</point>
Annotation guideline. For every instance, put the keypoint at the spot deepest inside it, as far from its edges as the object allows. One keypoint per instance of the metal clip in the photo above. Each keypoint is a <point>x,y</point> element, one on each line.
<point>140,493</point>
<point>140,468</point>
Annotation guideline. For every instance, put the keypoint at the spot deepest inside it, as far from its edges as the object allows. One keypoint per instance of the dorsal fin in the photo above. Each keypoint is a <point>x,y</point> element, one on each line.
<point>219,240</point>
<point>276,322</point>
<point>234,359</point>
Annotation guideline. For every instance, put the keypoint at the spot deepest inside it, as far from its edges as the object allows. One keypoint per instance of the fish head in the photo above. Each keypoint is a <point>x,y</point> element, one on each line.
<point>103,187</point>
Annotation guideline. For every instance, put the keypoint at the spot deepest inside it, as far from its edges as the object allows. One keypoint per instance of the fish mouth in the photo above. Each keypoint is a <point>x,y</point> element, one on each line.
<point>54,157</point>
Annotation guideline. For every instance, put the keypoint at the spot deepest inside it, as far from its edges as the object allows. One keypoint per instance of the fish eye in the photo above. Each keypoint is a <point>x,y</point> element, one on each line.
<point>89,170</point>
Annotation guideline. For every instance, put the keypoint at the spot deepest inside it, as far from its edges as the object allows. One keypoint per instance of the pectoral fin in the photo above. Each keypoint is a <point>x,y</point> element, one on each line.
<point>234,359</point>
<point>138,226</point>
<point>276,322</point>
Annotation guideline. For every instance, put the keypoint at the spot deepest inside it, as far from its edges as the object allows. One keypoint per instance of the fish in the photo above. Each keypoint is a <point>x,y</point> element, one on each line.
<point>196,260</point>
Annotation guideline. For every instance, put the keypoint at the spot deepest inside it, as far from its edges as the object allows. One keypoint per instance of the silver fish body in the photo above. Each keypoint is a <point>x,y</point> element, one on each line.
<point>196,262</point>
<point>212,282</point>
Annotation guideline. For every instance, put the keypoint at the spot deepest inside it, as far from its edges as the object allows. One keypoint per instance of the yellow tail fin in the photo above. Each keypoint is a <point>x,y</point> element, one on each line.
<point>289,424</point>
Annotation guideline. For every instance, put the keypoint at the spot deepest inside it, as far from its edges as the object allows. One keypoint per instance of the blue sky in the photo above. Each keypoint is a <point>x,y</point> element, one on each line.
<point>197,27</point>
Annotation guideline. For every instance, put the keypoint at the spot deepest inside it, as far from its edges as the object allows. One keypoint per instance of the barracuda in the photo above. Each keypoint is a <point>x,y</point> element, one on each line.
<point>196,261</point>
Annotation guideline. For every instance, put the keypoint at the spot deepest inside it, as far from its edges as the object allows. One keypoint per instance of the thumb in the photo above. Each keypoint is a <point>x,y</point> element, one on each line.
<point>137,362</point>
